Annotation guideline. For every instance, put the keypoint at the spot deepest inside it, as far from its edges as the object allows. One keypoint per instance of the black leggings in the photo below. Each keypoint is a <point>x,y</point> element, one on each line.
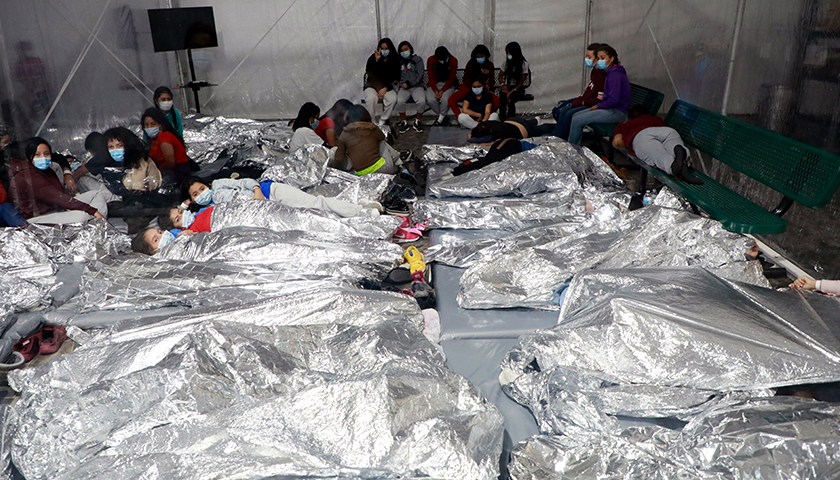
<point>507,102</point>
<point>498,151</point>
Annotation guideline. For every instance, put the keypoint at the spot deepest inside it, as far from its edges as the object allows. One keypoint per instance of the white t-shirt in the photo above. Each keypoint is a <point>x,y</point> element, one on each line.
<point>513,81</point>
<point>304,136</point>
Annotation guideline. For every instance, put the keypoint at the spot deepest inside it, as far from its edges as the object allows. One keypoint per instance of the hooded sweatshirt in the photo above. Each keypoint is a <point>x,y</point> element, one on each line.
<point>39,192</point>
<point>411,71</point>
<point>616,90</point>
<point>360,142</point>
<point>590,95</point>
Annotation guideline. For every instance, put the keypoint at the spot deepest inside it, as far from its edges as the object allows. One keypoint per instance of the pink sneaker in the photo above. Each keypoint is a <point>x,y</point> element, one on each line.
<point>408,231</point>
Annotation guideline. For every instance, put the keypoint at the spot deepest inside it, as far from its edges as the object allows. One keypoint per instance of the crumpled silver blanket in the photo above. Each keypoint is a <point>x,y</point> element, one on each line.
<point>760,439</point>
<point>303,168</point>
<point>542,169</point>
<point>358,189</point>
<point>664,342</point>
<point>207,137</point>
<point>336,383</point>
<point>280,218</point>
<point>92,240</point>
<point>294,253</point>
<point>528,271</point>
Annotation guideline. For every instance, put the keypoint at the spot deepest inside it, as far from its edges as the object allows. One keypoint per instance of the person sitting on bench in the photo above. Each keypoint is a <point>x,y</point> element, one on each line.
<point>498,151</point>
<point>646,137</point>
<point>831,287</point>
<point>515,127</point>
<point>616,100</point>
<point>594,93</point>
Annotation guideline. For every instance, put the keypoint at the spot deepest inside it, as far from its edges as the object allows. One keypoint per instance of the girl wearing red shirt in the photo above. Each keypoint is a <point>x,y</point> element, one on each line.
<point>167,147</point>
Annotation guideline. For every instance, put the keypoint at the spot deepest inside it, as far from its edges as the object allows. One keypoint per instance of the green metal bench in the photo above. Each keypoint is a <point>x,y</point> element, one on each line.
<point>459,78</point>
<point>639,95</point>
<point>800,172</point>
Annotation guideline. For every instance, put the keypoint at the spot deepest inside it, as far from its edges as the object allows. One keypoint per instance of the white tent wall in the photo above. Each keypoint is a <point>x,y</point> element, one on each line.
<point>316,50</point>
<point>94,82</point>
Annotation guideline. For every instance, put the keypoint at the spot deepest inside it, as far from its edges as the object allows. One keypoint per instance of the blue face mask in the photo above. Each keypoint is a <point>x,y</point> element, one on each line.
<point>477,90</point>
<point>602,64</point>
<point>384,52</point>
<point>187,219</point>
<point>118,154</point>
<point>42,163</point>
<point>510,57</point>
<point>205,197</point>
<point>406,54</point>
<point>152,132</point>
<point>588,62</point>
<point>314,124</point>
<point>165,239</point>
<point>480,60</point>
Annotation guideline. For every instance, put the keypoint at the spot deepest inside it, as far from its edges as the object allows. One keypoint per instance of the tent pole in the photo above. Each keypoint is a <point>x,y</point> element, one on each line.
<point>739,21</point>
<point>378,20</point>
<point>587,34</point>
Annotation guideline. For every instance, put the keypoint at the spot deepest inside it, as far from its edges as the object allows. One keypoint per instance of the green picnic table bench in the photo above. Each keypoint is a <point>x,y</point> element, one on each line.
<point>800,172</point>
<point>639,95</point>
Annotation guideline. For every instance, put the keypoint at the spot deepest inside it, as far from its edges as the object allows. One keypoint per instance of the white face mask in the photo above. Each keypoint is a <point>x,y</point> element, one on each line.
<point>165,239</point>
<point>187,219</point>
<point>165,106</point>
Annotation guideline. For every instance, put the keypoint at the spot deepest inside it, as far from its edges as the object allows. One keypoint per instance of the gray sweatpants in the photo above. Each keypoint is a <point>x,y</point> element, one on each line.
<point>655,147</point>
<point>389,101</point>
<point>94,198</point>
<point>419,96</point>
<point>440,107</point>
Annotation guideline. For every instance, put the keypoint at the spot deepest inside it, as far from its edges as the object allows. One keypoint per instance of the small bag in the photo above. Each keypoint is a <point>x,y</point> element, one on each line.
<point>146,177</point>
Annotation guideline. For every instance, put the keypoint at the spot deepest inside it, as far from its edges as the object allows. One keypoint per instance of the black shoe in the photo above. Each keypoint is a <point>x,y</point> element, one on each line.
<point>437,124</point>
<point>681,167</point>
<point>403,127</point>
<point>635,202</point>
<point>445,122</point>
<point>405,156</point>
<point>416,125</point>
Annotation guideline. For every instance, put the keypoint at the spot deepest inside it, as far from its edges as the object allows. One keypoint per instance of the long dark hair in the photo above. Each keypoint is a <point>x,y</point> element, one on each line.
<point>609,51</point>
<point>96,142</point>
<point>405,43</point>
<point>475,68</point>
<point>393,54</point>
<point>157,115</point>
<point>338,114</point>
<point>32,146</point>
<point>134,148</point>
<point>307,110</point>
<point>514,65</point>
<point>441,53</point>
<point>185,190</point>
<point>358,113</point>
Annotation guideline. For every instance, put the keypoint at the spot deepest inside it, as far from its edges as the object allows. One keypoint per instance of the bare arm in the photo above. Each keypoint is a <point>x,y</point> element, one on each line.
<point>618,141</point>
<point>168,152</point>
<point>331,139</point>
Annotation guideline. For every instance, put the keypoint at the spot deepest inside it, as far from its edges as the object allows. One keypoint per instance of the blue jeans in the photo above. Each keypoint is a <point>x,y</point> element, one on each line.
<point>581,119</point>
<point>564,115</point>
<point>10,217</point>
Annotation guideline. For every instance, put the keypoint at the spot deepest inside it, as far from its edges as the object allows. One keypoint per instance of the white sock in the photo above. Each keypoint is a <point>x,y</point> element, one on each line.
<point>441,117</point>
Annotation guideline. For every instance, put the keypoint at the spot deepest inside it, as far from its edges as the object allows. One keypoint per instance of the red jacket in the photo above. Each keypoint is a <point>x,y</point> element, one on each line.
<point>590,95</point>
<point>2,194</point>
<point>629,129</point>
<point>432,72</point>
<point>485,71</point>
<point>39,192</point>
<point>202,221</point>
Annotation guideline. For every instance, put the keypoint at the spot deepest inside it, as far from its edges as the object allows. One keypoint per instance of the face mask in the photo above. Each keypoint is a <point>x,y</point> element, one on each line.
<point>42,163</point>
<point>118,154</point>
<point>205,197</point>
<point>314,124</point>
<point>477,90</point>
<point>187,219</point>
<point>152,132</point>
<point>588,62</point>
<point>166,239</point>
<point>406,54</point>
<point>602,64</point>
<point>480,60</point>
<point>442,61</point>
<point>510,57</point>
<point>165,106</point>
<point>384,52</point>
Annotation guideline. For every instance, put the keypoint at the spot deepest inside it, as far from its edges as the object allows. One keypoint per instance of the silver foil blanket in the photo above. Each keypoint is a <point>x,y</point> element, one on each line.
<point>292,252</point>
<point>305,167</point>
<point>342,384</point>
<point>281,218</point>
<point>662,342</point>
<point>246,141</point>
<point>542,169</point>
<point>93,240</point>
<point>760,439</point>
<point>530,268</point>
<point>358,189</point>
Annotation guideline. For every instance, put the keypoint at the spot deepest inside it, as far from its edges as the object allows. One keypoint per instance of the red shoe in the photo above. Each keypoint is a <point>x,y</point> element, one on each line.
<point>28,347</point>
<point>51,339</point>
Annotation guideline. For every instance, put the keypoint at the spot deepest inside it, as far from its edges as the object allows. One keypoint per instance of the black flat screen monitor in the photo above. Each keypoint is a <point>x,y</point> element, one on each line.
<point>182,28</point>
